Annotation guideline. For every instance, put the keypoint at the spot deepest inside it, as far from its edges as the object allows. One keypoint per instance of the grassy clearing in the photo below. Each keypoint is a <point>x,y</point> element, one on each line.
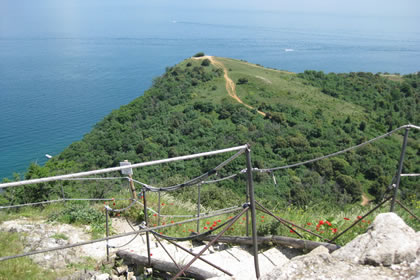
<point>21,268</point>
<point>281,87</point>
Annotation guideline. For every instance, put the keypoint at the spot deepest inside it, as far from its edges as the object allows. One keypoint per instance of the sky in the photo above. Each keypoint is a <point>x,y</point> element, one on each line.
<point>17,17</point>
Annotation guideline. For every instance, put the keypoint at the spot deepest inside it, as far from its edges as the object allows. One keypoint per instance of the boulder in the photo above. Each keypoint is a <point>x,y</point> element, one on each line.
<point>387,241</point>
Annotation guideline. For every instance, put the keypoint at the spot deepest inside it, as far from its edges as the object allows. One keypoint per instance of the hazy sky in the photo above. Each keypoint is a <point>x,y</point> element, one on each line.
<point>71,17</point>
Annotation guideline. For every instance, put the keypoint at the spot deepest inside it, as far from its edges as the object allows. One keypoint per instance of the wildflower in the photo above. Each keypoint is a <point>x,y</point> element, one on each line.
<point>309,224</point>
<point>151,254</point>
<point>205,227</point>
<point>262,217</point>
<point>113,203</point>
<point>172,204</point>
<point>322,231</point>
<point>230,217</point>
<point>363,221</point>
<point>211,228</point>
<point>262,220</point>
<point>207,222</point>
<point>172,222</point>
<point>118,214</point>
<point>113,199</point>
<point>334,230</point>
<point>321,222</point>
<point>292,231</point>
<point>328,223</point>
<point>163,204</point>
<point>347,219</point>
<point>160,232</point>
<point>243,219</point>
<point>154,225</point>
<point>190,230</point>
<point>154,215</point>
<point>163,223</point>
<point>219,221</point>
<point>183,230</point>
<point>359,217</point>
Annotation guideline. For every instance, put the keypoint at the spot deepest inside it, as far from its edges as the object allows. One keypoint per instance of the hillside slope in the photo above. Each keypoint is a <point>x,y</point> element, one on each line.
<point>189,110</point>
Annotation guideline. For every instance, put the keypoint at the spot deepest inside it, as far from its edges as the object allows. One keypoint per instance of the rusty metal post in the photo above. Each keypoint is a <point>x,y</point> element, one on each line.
<point>198,207</point>
<point>149,261</point>
<point>253,215</point>
<point>107,233</point>
<point>158,221</point>
<point>400,167</point>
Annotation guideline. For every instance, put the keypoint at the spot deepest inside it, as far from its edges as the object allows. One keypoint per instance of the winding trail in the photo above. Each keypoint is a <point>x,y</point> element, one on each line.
<point>230,85</point>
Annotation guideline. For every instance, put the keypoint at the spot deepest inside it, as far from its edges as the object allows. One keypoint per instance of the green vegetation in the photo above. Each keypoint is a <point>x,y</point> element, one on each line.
<point>22,268</point>
<point>310,114</point>
<point>80,213</point>
<point>199,54</point>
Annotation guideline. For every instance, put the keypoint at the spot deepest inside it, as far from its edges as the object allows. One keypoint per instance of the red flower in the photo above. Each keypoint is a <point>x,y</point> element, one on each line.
<point>151,254</point>
<point>205,228</point>
<point>240,223</point>
<point>161,232</point>
<point>163,204</point>
<point>321,222</point>
<point>154,215</point>
<point>113,203</point>
<point>359,217</point>
<point>183,230</point>
<point>208,223</point>
<point>292,231</point>
<point>230,217</point>
<point>328,223</point>
<point>172,222</point>
<point>172,204</point>
<point>262,217</point>
<point>262,220</point>
<point>154,225</point>
<point>211,227</point>
<point>163,223</point>
<point>334,230</point>
<point>219,221</point>
<point>243,219</point>
<point>347,219</point>
<point>309,224</point>
<point>363,221</point>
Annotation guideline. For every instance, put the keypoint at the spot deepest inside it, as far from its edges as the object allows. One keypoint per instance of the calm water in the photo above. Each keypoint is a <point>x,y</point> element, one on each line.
<point>63,67</point>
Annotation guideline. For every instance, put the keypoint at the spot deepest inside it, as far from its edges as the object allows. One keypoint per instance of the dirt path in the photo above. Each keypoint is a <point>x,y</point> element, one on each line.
<point>230,85</point>
<point>365,200</point>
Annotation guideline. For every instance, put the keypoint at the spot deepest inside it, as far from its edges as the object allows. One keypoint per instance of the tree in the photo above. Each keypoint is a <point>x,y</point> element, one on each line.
<point>199,54</point>
<point>206,62</point>
<point>242,81</point>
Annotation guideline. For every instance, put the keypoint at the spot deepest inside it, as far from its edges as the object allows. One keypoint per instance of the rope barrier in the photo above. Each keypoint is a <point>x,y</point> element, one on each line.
<point>119,168</point>
<point>62,200</point>
<point>194,181</point>
<point>336,153</point>
<point>106,238</point>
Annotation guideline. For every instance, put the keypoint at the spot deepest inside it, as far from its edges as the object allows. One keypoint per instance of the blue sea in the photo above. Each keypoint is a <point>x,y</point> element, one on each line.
<point>64,65</point>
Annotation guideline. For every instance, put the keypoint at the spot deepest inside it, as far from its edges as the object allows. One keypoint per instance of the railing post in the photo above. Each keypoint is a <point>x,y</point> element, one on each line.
<point>158,221</point>
<point>146,220</point>
<point>198,207</point>
<point>253,215</point>
<point>400,166</point>
<point>107,233</point>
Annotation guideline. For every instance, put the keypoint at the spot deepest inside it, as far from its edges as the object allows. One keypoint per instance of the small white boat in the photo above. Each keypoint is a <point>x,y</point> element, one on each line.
<point>289,50</point>
<point>48,156</point>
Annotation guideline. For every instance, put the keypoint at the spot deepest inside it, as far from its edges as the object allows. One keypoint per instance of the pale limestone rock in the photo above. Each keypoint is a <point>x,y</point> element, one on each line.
<point>387,241</point>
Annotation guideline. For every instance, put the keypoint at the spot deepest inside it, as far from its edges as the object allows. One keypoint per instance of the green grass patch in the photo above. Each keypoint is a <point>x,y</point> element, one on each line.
<point>21,268</point>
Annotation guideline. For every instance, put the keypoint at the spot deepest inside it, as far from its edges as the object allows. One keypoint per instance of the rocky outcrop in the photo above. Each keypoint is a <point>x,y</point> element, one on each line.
<point>388,250</point>
<point>387,241</point>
